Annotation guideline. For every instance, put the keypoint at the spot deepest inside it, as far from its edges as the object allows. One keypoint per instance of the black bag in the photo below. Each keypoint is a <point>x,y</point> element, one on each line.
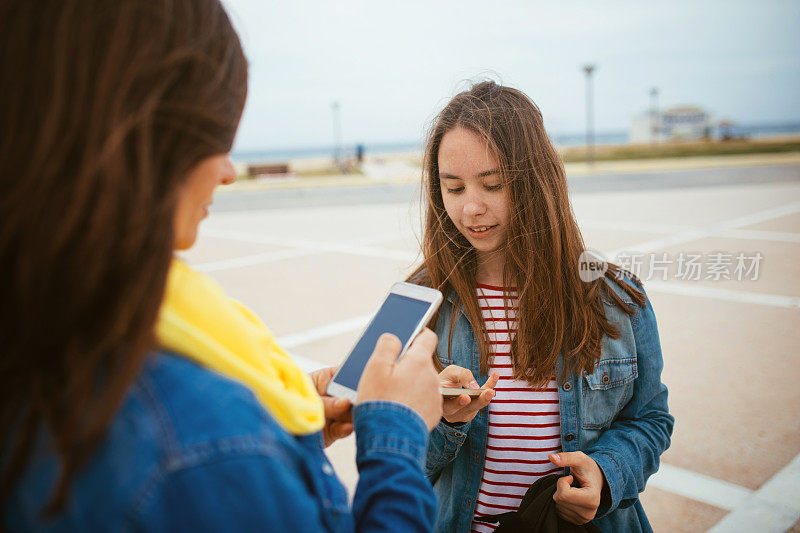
<point>537,512</point>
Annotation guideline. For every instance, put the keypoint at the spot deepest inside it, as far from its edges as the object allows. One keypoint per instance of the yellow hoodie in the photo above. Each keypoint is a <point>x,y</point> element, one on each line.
<point>200,322</point>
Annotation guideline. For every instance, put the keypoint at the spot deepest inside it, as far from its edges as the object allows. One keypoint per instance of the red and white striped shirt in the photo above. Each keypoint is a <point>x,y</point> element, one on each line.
<point>524,423</point>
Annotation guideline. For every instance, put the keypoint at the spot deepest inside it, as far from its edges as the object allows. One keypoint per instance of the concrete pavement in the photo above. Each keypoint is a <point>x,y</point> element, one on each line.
<point>314,271</point>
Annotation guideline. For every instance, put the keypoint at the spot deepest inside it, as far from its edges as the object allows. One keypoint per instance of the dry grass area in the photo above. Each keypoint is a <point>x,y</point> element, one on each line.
<point>576,154</point>
<point>324,167</point>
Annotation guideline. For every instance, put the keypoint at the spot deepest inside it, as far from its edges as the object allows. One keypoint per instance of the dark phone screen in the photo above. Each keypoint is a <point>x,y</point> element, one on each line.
<point>399,315</point>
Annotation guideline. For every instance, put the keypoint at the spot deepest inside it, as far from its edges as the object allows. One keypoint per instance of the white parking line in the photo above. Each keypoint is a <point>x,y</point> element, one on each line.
<point>710,230</point>
<point>686,289</point>
<point>311,245</point>
<point>762,216</point>
<point>323,332</point>
<point>773,507</point>
<point>675,234</point>
<point>699,487</point>
<point>668,229</point>
<point>759,235</point>
<point>639,227</point>
<point>250,260</point>
<point>727,228</point>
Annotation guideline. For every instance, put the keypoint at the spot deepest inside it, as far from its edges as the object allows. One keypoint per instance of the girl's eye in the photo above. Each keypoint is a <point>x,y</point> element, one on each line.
<point>494,187</point>
<point>456,190</point>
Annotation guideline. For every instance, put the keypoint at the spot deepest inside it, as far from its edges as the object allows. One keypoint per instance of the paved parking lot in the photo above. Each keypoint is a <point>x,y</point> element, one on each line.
<point>731,347</point>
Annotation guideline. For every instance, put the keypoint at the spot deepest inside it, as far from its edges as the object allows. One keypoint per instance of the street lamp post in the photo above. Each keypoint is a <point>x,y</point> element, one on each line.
<point>589,69</point>
<point>655,122</point>
<point>337,133</point>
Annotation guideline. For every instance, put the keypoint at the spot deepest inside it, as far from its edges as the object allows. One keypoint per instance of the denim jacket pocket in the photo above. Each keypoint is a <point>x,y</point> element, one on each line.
<point>608,388</point>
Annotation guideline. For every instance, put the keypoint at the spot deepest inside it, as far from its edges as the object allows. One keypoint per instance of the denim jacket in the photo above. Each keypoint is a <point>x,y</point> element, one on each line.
<point>617,415</point>
<point>191,450</point>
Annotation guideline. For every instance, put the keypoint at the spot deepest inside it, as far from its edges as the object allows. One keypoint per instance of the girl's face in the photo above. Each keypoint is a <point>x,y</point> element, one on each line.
<point>197,194</point>
<point>473,190</point>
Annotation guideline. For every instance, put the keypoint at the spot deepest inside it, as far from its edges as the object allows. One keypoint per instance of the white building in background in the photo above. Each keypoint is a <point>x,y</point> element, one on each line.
<point>675,124</point>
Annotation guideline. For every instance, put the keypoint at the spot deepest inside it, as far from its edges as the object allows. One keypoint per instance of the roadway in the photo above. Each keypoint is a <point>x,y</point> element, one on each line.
<point>393,192</point>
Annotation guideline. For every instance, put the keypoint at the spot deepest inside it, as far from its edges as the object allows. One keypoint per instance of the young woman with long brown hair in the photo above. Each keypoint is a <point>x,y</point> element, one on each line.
<point>571,365</point>
<point>135,394</point>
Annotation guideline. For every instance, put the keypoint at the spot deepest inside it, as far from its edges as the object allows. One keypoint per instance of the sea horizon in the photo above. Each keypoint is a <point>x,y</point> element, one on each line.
<point>561,140</point>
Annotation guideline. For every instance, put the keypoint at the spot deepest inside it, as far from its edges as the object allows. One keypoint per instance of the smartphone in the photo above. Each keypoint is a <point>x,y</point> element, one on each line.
<point>453,392</point>
<point>404,312</point>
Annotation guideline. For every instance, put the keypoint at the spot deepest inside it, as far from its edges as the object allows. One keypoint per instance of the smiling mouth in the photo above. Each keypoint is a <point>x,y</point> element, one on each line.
<point>480,229</point>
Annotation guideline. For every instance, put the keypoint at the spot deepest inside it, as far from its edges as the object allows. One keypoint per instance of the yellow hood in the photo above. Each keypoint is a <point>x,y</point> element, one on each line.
<point>200,322</point>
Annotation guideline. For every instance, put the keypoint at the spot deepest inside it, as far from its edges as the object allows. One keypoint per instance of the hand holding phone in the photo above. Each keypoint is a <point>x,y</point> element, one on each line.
<point>403,313</point>
<point>338,411</point>
<point>464,407</point>
<point>411,381</point>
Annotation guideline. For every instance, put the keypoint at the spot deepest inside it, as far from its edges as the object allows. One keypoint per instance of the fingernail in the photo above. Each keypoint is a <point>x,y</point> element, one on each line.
<point>474,384</point>
<point>556,457</point>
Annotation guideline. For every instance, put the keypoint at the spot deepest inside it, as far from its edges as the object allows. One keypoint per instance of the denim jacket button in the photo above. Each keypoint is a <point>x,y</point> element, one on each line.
<point>567,386</point>
<point>570,437</point>
<point>327,469</point>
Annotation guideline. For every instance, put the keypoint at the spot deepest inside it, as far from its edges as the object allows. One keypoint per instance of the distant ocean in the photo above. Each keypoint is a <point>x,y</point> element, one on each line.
<point>570,139</point>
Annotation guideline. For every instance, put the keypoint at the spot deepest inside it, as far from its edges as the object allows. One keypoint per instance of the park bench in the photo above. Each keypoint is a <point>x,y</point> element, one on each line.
<point>268,170</point>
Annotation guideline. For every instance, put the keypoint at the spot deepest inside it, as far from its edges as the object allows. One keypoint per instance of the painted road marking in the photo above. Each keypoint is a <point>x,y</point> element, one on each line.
<point>702,291</point>
<point>668,229</point>
<point>324,332</point>
<point>699,487</point>
<point>305,247</point>
<point>710,230</point>
<point>775,507</point>
<point>759,235</point>
<point>676,234</point>
<point>252,260</point>
<point>311,245</point>
<point>638,227</point>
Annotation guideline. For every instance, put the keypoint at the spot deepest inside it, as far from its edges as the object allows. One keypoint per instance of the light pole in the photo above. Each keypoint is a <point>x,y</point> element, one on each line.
<point>655,122</point>
<point>337,133</point>
<point>589,69</point>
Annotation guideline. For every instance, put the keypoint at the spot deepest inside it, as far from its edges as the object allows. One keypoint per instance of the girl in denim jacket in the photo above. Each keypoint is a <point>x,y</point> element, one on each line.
<point>564,344</point>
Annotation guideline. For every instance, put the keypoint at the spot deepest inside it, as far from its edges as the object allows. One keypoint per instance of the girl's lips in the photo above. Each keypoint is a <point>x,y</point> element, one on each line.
<point>481,234</point>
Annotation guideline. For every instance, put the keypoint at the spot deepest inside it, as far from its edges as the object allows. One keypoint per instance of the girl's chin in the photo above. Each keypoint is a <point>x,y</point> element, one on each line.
<point>485,247</point>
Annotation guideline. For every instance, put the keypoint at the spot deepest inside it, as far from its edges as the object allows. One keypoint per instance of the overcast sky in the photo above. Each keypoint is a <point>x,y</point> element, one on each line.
<point>393,65</point>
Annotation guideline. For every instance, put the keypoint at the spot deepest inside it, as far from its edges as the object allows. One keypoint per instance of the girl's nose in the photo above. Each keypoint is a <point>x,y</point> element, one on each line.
<point>228,171</point>
<point>474,207</point>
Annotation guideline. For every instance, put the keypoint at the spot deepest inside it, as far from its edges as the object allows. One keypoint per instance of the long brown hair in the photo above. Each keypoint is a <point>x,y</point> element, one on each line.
<point>106,106</point>
<point>557,311</point>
